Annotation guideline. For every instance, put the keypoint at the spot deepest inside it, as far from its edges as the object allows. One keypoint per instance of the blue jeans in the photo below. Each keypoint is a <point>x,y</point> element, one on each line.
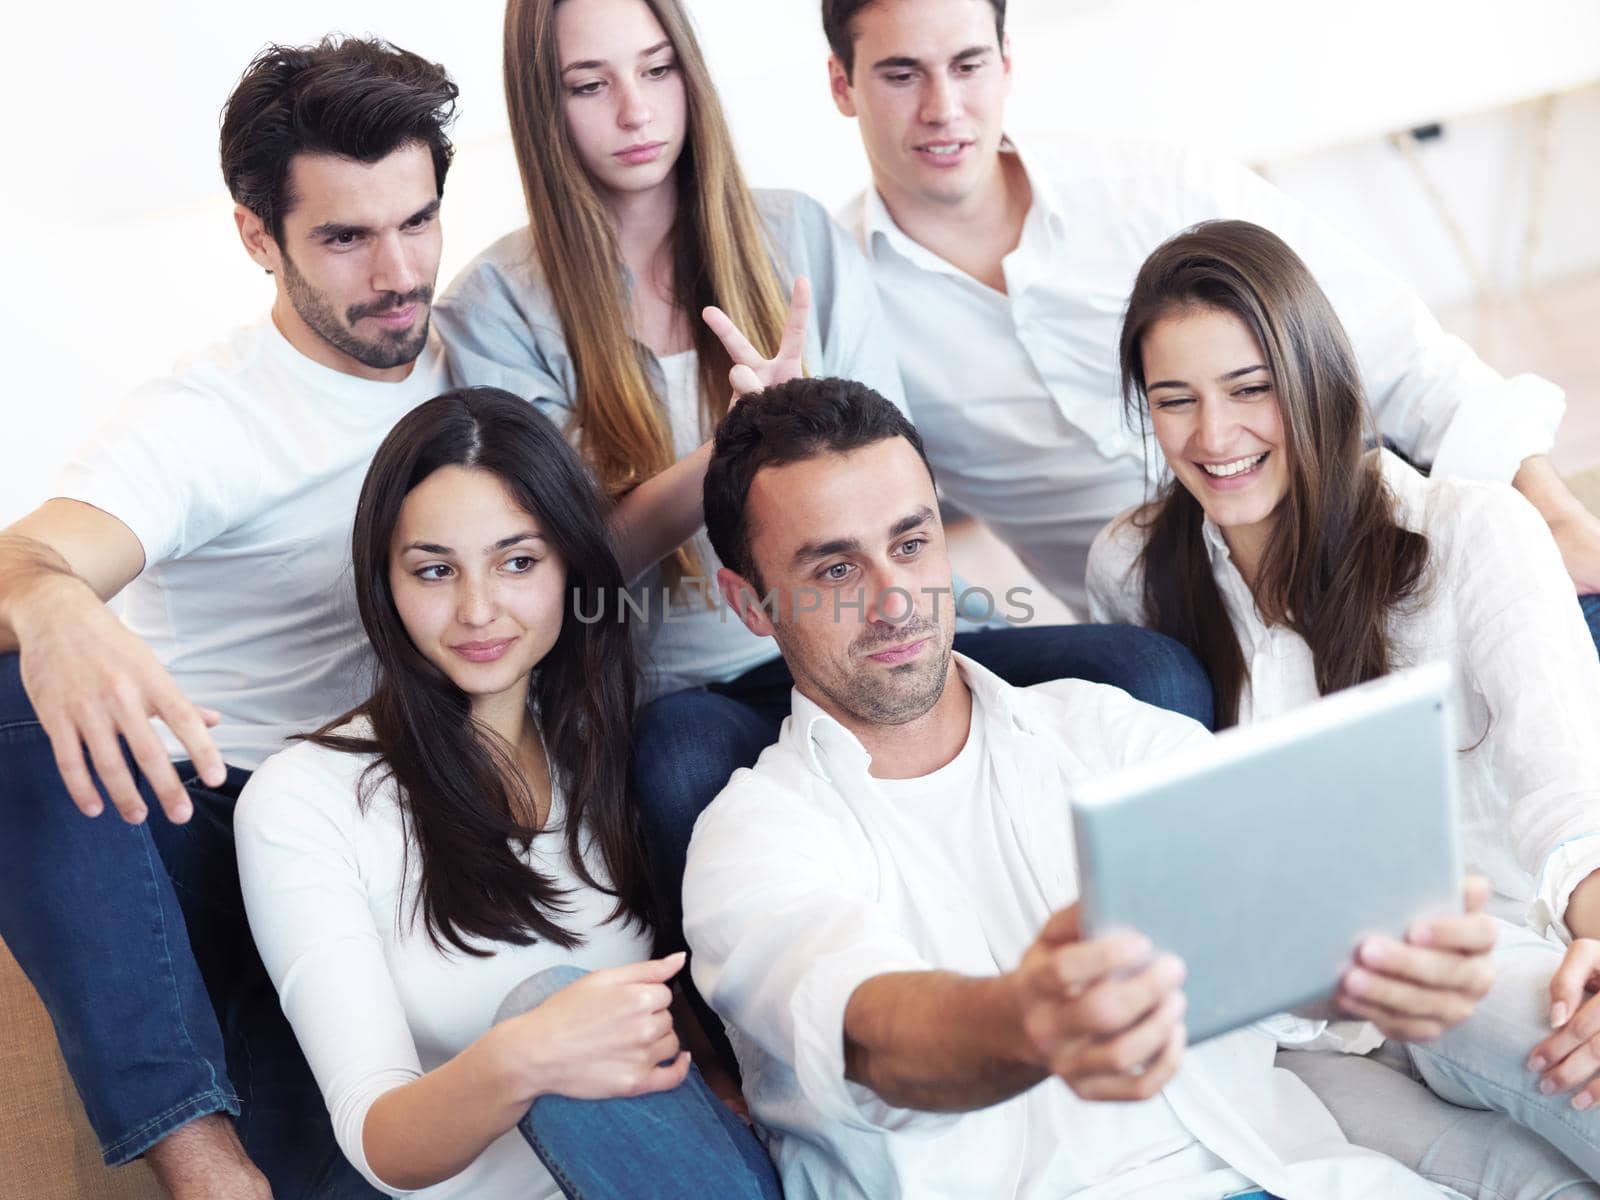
<point>683,1144</point>
<point>1591,614</point>
<point>688,743</point>
<point>135,938</point>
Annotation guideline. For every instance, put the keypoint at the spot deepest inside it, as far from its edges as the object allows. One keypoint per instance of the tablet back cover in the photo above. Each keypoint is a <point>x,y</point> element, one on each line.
<point>1262,861</point>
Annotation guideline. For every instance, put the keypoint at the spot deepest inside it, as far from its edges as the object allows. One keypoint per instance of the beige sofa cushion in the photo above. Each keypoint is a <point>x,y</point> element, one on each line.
<point>47,1151</point>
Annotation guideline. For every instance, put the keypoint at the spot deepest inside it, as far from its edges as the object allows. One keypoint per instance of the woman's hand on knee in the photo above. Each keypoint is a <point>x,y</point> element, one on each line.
<point>606,1035</point>
<point>1570,1057</point>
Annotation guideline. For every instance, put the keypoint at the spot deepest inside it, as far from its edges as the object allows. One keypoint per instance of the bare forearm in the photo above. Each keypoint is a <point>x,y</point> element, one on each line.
<point>26,567</point>
<point>434,1127</point>
<point>939,1042</point>
<point>1537,480</point>
<point>662,513</point>
<point>1582,917</point>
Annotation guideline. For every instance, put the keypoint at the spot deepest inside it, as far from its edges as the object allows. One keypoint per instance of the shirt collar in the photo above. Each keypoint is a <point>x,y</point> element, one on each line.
<point>1216,544</point>
<point>831,751</point>
<point>880,230</point>
<point>1407,484</point>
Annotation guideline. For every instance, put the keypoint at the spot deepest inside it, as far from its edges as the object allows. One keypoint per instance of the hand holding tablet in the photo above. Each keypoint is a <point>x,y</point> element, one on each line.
<point>1105,1015</point>
<point>1416,989</point>
<point>1287,862</point>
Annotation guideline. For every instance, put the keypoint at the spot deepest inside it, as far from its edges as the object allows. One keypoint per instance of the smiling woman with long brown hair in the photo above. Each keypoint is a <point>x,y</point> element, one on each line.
<point>1295,561</point>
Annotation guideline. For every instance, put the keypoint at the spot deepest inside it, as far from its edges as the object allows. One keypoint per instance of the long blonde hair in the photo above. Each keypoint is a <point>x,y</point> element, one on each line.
<point>719,249</point>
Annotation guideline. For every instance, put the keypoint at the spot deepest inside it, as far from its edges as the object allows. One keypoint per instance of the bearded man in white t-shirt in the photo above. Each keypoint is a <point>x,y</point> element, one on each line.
<point>1004,269</point>
<point>883,909</point>
<point>216,505</point>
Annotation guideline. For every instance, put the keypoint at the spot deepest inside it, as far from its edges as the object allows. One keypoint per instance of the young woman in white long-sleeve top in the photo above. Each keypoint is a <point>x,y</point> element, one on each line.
<point>1294,561</point>
<point>445,883</point>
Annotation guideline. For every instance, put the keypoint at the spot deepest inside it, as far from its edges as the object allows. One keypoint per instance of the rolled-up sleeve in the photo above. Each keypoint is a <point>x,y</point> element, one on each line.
<point>1532,659</point>
<point>1437,400</point>
<point>782,937</point>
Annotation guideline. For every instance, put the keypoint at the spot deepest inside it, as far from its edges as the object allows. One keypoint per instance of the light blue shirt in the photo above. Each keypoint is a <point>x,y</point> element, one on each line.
<point>500,323</point>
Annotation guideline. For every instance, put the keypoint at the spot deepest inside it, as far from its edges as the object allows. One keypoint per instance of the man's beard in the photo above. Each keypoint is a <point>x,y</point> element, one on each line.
<point>903,693</point>
<point>393,349</point>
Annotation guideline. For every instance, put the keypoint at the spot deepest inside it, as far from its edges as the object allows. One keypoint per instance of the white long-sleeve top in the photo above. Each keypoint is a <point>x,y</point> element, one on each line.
<point>806,877</point>
<point>1496,604</point>
<point>1016,393</point>
<point>373,1003</point>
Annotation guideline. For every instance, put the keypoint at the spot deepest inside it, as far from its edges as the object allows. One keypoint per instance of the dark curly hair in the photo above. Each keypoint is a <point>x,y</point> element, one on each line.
<point>791,422</point>
<point>358,98</point>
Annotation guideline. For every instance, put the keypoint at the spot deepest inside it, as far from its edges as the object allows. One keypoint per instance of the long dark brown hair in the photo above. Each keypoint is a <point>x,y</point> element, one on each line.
<point>1337,561</point>
<point>720,247</point>
<point>460,791</point>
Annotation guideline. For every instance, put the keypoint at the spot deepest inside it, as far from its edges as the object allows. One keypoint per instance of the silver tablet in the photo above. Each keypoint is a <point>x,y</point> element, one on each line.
<point>1263,858</point>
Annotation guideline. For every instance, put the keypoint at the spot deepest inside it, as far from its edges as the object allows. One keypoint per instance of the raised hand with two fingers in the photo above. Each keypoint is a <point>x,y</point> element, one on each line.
<point>752,371</point>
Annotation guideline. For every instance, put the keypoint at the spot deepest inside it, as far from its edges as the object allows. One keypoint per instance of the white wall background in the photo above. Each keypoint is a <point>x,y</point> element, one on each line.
<point>119,252</point>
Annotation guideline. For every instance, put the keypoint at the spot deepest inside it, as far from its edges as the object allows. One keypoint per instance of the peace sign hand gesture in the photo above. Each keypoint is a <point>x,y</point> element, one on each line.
<point>751,372</point>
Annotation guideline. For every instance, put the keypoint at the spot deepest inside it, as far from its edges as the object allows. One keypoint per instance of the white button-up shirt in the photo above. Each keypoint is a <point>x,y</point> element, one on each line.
<point>1017,394</point>
<point>1497,604</point>
<point>805,880</point>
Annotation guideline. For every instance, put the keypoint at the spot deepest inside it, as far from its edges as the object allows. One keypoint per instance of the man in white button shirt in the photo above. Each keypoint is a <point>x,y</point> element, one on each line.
<point>1004,270</point>
<point>882,909</point>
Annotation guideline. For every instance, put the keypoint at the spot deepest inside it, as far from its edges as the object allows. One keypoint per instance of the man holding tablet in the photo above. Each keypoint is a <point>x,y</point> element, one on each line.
<point>883,908</point>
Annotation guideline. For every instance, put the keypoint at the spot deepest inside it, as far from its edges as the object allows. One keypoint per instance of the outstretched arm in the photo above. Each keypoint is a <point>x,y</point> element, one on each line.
<point>90,680</point>
<point>1100,1015</point>
<point>1575,528</point>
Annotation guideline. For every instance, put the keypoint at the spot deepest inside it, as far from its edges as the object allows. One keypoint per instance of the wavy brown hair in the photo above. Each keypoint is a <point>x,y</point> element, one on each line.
<point>720,251</point>
<point>1337,561</point>
<point>459,787</point>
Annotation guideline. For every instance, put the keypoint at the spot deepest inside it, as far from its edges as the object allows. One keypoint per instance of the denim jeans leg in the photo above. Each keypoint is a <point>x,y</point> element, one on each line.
<point>91,916</point>
<point>283,1122</point>
<point>681,1144</point>
<point>1482,1064</point>
<point>1147,665</point>
<point>1591,614</point>
<point>1381,1104</point>
<point>686,745</point>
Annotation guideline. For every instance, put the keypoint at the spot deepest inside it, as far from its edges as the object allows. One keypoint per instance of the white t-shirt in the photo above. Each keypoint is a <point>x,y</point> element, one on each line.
<point>693,642</point>
<point>372,1001</point>
<point>239,475</point>
<point>980,845</point>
